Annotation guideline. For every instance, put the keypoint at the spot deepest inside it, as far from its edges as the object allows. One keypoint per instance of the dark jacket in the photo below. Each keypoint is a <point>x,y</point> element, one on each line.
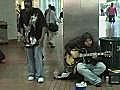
<point>25,17</point>
<point>95,48</point>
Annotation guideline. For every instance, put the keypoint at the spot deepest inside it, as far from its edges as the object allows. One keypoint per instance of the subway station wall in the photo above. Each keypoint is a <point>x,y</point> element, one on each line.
<point>80,16</point>
<point>8,14</point>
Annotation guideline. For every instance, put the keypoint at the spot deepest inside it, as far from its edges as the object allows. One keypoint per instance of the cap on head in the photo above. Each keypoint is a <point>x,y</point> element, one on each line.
<point>28,1</point>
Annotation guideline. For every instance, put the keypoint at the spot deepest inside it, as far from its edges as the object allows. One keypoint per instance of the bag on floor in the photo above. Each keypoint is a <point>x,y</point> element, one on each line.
<point>2,55</point>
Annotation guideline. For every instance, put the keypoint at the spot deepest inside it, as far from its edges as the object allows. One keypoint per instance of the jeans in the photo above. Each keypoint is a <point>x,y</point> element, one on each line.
<point>34,57</point>
<point>112,18</point>
<point>91,72</point>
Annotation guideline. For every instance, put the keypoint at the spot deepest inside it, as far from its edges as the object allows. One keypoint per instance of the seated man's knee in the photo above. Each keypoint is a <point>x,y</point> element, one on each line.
<point>102,66</point>
<point>80,67</point>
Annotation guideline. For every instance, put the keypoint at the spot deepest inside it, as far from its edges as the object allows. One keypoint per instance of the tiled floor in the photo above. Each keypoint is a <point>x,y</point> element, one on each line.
<point>106,28</point>
<point>13,72</point>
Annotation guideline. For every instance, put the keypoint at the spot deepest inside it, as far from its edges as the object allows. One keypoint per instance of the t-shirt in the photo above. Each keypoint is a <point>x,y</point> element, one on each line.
<point>111,10</point>
<point>40,22</point>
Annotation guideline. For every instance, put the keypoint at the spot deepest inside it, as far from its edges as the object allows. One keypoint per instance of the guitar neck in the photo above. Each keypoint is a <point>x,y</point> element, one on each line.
<point>90,54</point>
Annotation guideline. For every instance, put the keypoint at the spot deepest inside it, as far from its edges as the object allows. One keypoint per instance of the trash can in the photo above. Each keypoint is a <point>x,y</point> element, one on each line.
<point>3,32</point>
<point>113,45</point>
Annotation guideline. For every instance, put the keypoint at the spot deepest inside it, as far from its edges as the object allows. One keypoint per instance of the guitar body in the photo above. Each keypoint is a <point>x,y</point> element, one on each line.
<point>70,61</point>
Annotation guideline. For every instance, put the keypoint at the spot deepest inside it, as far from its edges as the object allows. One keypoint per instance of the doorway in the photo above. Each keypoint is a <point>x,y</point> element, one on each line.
<point>106,28</point>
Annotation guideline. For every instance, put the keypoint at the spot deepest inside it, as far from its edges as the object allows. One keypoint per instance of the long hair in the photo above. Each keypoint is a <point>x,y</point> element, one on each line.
<point>86,36</point>
<point>73,44</point>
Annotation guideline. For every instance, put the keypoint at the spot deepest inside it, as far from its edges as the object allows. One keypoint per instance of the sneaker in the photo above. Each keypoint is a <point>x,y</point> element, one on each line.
<point>81,84</point>
<point>40,80</point>
<point>99,84</point>
<point>50,43</point>
<point>30,78</point>
<point>3,61</point>
<point>63,75</point>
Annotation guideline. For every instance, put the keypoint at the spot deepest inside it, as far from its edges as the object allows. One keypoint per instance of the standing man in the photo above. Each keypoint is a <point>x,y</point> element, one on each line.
<point>33,24</point>
<point>111,11</point>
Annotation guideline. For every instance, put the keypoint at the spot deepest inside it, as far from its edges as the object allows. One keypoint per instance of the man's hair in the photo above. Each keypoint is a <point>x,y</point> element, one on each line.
<point>86,36</point>
<point>53,8</point>
<point>49,5</point>
<point>111,4</point>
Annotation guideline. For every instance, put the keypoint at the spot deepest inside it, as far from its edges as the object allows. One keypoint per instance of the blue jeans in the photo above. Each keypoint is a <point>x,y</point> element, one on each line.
<point>34,57</point>
<point>91,72</point>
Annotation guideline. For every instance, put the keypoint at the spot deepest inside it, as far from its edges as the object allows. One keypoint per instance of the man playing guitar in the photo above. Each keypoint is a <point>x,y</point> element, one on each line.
<point>91,67</point>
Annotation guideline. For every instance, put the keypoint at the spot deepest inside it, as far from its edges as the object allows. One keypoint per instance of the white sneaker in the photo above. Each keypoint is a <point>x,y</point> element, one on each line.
<point>64,75</point>
<point>82,84</point>
<point>30,78</point>
<point>40,80</point>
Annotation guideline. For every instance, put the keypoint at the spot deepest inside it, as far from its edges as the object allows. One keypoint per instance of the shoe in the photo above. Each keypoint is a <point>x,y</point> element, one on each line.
<point>50,43</point>
<point>40,80</point>
<point>99,84</point>
<point>81,84</point>
<point>88,83</point>
<point>30,78</point>
<point>63,75</point>
<point>3,61</point>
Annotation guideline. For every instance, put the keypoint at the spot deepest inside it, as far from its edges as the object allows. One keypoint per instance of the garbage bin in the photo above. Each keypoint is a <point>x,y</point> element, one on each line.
<point>3,32</point>
<point>111,44</point>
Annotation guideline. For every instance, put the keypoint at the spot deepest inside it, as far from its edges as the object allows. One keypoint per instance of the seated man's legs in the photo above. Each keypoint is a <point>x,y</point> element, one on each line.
<point>99,68</point>
<point>85,70</point>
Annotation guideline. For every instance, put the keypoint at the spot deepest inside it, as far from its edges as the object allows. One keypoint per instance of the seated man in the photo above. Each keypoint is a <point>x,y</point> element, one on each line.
<point>91,65</point>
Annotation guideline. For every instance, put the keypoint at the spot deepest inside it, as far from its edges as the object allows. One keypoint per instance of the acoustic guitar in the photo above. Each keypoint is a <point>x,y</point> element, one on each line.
<point>70,59</point>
